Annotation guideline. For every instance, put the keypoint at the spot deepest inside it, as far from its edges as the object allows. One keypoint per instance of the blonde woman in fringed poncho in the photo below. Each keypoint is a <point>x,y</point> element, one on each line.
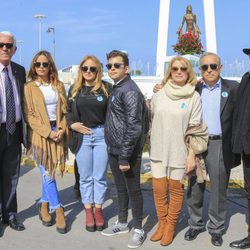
<point>45,109</point>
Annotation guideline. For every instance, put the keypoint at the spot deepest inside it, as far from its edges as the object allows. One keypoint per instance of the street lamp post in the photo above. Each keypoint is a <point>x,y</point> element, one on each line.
<point>40,17</point>
<point>52,29</point>
<point>20,42</point>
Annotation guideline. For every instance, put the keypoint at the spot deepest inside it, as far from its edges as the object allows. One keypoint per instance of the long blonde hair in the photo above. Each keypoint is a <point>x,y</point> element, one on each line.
<point>53,76</point>
<point>98,84</point>
<point>191,74</point>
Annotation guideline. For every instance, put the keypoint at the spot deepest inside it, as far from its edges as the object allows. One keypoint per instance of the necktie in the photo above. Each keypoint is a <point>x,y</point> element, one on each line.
<point>10,103</point>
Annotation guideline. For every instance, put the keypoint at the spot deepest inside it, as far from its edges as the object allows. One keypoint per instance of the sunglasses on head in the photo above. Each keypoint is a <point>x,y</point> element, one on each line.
<point>182,69</point>
<point>116,65</point>
<point>91,69</point>
<point>44,64</point>
<point>212,66</point>
<point>7,45</point>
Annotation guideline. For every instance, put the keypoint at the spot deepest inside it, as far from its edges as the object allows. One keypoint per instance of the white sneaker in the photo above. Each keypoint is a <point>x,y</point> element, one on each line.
<point>137,239</point>
<point>117,228</point>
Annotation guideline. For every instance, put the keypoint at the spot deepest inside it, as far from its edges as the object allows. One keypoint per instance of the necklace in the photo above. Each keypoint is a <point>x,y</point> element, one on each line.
<point>45,84</point>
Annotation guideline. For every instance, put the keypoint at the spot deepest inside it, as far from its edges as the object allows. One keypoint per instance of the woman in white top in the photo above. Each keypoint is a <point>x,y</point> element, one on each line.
<point>174,108</point>
<point>45,109</point>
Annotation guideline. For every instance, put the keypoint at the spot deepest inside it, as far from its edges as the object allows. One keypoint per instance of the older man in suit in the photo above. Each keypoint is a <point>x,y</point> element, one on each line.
<point>218,99</point>
<point>12,79</point>
<point>241,142</point>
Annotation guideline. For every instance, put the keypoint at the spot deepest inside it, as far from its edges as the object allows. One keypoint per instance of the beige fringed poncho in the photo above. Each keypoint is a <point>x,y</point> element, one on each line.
<point>45,151</point>
<point>174,109</point>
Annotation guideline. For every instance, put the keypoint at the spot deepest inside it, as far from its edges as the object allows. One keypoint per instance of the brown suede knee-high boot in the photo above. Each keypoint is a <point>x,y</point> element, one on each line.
<point>161,205</point>
<point>176,193</point>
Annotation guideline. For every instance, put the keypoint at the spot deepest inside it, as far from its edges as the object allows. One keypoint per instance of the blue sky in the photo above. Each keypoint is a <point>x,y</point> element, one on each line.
<point>96,27</point>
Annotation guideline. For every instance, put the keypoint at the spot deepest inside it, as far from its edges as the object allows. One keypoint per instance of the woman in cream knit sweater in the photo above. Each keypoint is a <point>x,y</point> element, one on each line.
<point>174,108</point>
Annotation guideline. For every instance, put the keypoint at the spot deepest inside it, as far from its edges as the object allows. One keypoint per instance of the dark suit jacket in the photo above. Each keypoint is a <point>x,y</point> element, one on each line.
<point>20,76</point>
<point>227,105</point>
<point>241,126</point>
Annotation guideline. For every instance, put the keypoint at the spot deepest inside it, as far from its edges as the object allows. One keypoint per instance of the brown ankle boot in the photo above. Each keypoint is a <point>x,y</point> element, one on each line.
<point>44,214</point>
<point>90,221</point>
<point>176,193</point>
<point>60,221</point>
<point>99,220</point>
<point>161,205</point>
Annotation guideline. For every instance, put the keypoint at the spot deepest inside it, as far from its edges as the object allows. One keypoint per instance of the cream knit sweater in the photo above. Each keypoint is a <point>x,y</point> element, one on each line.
<point>174,109</point>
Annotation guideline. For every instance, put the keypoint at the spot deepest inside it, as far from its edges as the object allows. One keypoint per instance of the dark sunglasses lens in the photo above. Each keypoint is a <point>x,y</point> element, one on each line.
<point>175,69</point>
<point>37,64</point>
<point>204,67</point>
<point>93,69</point>
<point>117,65</point>
<point>183,69</point>
<point>213,66</point>
<point>84,68</point>
<point>8,45</point>
<point>45,64</point>
<point>109,66</point>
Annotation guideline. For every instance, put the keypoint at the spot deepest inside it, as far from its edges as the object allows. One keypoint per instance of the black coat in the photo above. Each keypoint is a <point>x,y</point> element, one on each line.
<point>227,105</point>
<point>126,121</point>
<point>241,125</point>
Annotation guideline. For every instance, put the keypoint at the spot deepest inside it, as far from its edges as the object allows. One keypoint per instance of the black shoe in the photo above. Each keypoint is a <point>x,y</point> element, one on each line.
<point>77,191</point>
<point>216,239</point>
<point>1,230</point>
<point>241,244</point>
<point>14,224</point>
<point>192,233</point>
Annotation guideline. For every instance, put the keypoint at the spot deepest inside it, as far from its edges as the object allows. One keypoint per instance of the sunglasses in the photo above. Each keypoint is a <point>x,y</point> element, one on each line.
<point>212,66</point>
<point>182,69</point>
<point>116,65</point>
<point>44,64</point>
<point>7,45</point>
<point>91,69</point>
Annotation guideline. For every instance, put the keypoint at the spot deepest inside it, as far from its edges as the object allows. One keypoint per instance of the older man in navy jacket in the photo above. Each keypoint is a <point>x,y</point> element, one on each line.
<point>12,79</point>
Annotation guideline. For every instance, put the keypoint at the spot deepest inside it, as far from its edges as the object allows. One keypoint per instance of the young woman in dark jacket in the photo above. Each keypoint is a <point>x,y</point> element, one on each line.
<point>87,104</point>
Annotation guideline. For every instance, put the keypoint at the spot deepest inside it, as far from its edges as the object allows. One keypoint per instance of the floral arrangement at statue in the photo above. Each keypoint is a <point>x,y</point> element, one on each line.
<point>188,44</point>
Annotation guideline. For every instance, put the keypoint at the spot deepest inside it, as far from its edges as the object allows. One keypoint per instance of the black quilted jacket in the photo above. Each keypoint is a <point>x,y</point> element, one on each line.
<point>126,121</point>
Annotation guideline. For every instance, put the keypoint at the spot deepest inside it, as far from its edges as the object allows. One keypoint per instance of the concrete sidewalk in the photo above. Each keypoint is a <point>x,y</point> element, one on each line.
<point>38,237</point>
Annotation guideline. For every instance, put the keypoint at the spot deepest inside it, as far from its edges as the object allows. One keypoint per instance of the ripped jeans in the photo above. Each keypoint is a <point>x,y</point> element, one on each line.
<point>49,190</point>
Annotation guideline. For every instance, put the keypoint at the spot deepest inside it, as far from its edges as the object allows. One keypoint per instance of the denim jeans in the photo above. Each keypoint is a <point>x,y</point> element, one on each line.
<point>128,189</point>
<point>92,161</point>
<point>49,190</point>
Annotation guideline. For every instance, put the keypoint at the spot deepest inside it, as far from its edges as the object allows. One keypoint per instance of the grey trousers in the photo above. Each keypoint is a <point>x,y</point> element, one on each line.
<point>219,178</point>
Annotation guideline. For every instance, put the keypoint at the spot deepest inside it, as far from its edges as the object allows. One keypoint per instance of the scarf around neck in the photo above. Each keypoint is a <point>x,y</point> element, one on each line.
<point>176,92</point>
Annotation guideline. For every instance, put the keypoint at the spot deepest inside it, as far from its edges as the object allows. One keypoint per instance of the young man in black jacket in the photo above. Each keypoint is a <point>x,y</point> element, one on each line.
<point>125,129</point>
<point>241,142</point>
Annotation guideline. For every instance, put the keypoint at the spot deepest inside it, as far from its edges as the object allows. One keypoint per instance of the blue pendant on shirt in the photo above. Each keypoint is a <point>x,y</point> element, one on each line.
<point>184,105</point>
<point>99,98</point>
<point>113,98</point>
<point>224,94</point>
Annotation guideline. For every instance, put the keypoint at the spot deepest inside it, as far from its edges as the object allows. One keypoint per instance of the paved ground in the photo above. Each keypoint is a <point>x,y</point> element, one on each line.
<point>36,236</point>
